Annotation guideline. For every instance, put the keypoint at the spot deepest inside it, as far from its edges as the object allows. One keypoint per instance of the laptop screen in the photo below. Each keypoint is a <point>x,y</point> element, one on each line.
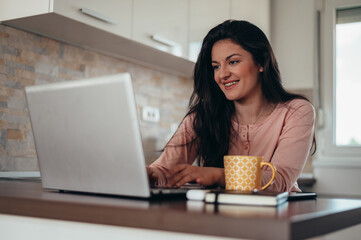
<point>87,136</point>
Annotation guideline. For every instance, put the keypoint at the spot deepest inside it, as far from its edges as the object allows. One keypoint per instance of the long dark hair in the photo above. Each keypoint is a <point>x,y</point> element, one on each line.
<point>211,109</point>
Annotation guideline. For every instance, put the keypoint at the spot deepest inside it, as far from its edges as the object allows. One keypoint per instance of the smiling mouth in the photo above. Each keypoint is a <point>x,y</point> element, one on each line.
<point>231,83</point>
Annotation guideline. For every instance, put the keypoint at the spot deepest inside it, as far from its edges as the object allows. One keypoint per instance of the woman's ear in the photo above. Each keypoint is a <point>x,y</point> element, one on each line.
<point>261,69</point>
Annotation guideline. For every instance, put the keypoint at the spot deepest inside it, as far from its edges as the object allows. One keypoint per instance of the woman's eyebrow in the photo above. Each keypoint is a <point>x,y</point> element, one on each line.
<point>227,58</point>
<point>232,55</point>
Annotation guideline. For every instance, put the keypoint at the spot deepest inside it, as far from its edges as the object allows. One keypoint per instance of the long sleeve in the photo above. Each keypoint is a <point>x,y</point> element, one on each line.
<point>177,151</point>
<point>293,147</point>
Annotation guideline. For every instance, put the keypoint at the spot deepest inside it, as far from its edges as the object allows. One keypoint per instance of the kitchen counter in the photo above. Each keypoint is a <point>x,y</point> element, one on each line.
<point>292,220</point>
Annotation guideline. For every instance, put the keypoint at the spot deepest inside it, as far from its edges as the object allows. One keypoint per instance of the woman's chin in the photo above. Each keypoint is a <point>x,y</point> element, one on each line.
<point>232,97</point>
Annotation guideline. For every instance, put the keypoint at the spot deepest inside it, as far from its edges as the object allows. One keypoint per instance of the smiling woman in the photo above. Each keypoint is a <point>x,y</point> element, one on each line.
<point>237,76</point>
<point>238,107</point>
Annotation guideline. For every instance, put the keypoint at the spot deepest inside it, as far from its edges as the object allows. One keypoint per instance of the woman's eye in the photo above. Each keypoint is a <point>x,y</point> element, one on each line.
<point>233,62</point>
<point>215,67</point>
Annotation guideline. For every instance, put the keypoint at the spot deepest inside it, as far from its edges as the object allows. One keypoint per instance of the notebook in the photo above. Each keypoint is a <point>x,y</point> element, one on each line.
<point>257,198</point>
<point>87,137</point>
<point>234,197</point>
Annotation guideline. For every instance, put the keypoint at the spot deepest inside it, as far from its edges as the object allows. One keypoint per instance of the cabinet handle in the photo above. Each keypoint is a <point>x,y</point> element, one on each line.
<point>96,15</point>
<point>164,41</point>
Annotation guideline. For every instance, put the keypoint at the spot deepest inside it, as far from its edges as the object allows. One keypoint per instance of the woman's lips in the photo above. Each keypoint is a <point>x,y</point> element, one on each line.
<point>230,84</point>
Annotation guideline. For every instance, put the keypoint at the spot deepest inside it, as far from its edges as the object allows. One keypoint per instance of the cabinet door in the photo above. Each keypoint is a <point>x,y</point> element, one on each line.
<point>257,12</point>
<point>10,9</point>
<point>161,24</point>
<point>203,16</point>
<point>110,15</point>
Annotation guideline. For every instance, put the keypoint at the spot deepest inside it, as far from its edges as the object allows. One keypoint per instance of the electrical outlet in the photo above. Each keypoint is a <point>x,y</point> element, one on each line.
<point>150,114</point>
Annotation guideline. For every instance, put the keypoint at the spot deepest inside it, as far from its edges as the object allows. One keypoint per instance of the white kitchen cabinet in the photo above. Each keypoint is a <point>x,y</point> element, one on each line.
<point>173,26</point>
<point>257,12</point>
<point>204,15</point>
<point>105,27</point>
<point>162,24</point>
<point>111,15</point>
<point>10,9</point>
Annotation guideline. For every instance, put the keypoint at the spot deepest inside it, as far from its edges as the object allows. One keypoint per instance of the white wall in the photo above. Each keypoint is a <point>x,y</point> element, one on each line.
<point>338,178</point>
<point>293,38</point>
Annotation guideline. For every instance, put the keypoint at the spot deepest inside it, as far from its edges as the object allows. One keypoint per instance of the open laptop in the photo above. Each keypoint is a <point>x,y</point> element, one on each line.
<point>87,137</point>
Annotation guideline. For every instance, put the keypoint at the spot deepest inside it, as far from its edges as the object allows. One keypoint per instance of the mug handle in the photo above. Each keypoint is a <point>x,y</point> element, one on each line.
<point>273,174</point>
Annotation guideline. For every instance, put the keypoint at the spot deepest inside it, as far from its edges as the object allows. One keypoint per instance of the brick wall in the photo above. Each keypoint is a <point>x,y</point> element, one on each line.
<point>28,59</point>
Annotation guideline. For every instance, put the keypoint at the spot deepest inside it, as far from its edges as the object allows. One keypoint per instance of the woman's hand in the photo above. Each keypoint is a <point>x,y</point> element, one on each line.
<point>185,173</point>
<point>153,177</point>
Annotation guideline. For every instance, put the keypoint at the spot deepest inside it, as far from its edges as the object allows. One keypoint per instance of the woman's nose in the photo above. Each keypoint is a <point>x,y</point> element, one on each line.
<point>224,72</point>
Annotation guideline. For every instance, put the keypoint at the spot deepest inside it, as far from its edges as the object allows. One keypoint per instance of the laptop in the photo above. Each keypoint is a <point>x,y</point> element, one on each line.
<point>87,137</point>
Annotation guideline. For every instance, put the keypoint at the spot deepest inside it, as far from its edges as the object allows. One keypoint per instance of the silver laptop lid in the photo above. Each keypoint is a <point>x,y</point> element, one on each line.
<point>87,136</point>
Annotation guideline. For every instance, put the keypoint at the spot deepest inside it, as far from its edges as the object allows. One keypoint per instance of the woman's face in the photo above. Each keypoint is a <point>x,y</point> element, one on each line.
<point>235,71</point>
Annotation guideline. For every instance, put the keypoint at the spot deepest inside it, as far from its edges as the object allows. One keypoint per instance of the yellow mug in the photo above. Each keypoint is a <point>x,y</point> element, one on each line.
<point>245,172</point>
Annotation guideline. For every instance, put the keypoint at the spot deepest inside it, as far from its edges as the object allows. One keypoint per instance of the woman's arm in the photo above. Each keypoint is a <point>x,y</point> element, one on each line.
<point>293,147</point>
<point>176,152</point>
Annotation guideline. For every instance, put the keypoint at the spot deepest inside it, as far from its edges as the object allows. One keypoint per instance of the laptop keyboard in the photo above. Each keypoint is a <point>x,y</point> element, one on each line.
<point>167,191</point>
<point>157,190</point>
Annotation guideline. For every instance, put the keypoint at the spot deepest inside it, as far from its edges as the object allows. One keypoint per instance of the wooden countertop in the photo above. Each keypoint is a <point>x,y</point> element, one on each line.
<point>293,220</point>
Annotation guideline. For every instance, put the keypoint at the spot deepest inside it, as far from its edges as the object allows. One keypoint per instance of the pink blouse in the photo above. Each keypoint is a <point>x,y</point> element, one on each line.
<point>284,138</point>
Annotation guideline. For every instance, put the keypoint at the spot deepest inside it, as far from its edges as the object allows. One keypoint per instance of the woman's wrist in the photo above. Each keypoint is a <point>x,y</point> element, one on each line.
<point>220,177</point>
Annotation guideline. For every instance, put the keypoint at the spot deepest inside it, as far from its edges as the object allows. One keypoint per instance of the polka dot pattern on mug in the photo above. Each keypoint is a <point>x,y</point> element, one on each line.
<point>241,173</point>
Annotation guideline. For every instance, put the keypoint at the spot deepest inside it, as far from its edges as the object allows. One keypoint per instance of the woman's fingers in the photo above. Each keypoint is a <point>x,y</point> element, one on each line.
<point>179,172</point>
<point>207,176</point>
<point>186,179</point>
<point>170,174</point>
<point>178,168</point>
<point>186,176</point>
<point>152,176</point>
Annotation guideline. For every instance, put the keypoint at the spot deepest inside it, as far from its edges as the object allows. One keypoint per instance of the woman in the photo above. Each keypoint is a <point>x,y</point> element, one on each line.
<point>238,107</point>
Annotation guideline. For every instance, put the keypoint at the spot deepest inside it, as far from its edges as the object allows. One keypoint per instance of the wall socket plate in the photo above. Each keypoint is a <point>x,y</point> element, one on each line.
<point>150,114</point>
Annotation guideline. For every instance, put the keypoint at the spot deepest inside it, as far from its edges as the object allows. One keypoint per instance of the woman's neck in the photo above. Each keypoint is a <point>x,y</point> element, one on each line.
<point>252,112</point>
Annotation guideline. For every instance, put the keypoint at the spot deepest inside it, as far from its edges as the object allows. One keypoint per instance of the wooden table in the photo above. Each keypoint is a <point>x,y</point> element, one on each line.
<point>292,220</point>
